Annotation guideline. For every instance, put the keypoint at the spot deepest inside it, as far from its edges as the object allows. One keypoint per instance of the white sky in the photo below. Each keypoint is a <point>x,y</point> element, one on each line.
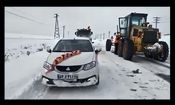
<point>101,19</point>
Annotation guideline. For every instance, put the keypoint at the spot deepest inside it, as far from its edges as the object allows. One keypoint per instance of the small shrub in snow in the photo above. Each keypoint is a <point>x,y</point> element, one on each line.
<point>39,49</point>
<point>25,47</point>
<point>28,53</point>
<point>6,57</point>
<point>17,56</point>
<point>44,45</point>
<point>136,71</point>
<point>22,52</point>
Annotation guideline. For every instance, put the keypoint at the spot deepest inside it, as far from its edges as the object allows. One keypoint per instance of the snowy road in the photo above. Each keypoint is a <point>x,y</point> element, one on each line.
<point>117,81</point>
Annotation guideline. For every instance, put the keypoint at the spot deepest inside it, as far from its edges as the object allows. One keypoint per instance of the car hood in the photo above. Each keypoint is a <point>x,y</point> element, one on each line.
<point>82,58</point>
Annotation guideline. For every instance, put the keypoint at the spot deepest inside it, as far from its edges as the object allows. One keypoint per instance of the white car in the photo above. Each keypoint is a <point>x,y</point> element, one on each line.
<point>81,69</point>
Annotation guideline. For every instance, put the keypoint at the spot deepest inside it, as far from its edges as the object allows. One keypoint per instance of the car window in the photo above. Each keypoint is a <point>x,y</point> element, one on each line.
<point>71,45</point>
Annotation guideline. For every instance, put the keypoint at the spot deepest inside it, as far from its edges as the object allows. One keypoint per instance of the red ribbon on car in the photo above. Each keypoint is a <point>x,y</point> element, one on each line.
<point>62,58</point>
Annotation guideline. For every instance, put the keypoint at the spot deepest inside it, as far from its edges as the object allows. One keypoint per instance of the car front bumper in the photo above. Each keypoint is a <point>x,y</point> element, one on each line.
<point>85,78</point>
<point>61,83</point>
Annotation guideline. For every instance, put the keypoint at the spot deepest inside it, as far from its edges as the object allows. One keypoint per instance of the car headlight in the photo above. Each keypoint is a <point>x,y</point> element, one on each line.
<point>89,65</point>
<point>47,66</point>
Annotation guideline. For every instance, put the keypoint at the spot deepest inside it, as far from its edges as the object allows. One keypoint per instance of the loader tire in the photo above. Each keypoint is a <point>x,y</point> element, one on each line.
<point>108,45</point>
<point>116,49</point>
<point>120,48</point>
<point>128,49</point>
<point>164,55</point>
<point>148,56</point>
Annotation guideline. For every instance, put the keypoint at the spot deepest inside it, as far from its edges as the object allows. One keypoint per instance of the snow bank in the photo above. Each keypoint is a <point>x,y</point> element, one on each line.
<point>22,72</point>
<point>24,57</point>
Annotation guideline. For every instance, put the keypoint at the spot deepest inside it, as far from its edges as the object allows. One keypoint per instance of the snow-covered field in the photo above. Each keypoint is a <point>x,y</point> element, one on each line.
<point>17,45</point>
<point>117,77</point>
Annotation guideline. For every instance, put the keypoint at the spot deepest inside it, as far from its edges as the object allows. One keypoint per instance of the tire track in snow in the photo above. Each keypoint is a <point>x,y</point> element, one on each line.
<point>153,88</point>
<point>124,84</point>
<point>114,84</point>
<point>158,69</point>
<point>167,65</point>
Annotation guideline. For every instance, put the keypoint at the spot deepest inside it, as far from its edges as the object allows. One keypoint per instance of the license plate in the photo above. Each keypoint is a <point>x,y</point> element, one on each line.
<point>67,77</point>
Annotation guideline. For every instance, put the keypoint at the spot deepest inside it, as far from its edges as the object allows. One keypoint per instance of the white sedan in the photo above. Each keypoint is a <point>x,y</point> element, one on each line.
<point>71,63</point>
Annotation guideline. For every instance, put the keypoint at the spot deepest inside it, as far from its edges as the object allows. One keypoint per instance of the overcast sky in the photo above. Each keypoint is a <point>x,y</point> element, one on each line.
<point>41,21</point>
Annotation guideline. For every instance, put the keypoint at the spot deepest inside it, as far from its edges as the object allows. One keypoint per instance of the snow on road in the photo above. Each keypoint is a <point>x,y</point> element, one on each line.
<point>117,79</point>
<point>117,82</point>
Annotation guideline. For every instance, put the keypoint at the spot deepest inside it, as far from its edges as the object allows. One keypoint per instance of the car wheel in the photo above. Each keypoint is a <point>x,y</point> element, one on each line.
<point>97,82</point>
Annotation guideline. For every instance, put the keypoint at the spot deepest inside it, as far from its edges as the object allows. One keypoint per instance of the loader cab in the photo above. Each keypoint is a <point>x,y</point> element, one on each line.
<point>133,19</point>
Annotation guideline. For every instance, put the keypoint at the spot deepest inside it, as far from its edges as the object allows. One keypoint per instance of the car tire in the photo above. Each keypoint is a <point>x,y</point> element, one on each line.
<point>98,81</point>
<point>108,45</point>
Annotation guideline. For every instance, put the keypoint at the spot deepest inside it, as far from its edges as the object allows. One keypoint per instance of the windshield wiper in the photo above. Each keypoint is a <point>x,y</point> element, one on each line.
<point>61,51</point>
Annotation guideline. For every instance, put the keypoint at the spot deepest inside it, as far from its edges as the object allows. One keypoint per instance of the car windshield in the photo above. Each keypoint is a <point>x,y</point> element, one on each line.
<point>71,45</point>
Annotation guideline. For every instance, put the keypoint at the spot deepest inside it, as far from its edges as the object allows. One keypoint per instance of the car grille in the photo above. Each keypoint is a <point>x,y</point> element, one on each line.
<point>68,68</point>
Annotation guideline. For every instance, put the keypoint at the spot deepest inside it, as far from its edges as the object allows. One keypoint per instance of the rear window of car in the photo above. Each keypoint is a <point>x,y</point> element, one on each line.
<point>71,45</point>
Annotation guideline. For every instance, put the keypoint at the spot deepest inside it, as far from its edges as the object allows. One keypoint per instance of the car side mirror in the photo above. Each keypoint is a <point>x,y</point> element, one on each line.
<point>49,50</point>
<point>97,50</point>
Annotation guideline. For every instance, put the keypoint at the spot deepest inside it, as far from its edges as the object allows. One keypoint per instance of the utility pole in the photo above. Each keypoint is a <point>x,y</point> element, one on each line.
<point>109,34</point>
<point>56,33</point>
<point>68,33</point>
<point>100,36</point>
<point>103,36</point>
<point>156,21</point>
<point>63,30</point>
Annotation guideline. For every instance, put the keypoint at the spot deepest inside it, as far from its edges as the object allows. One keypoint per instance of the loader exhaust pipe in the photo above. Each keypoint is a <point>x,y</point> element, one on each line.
<point>117,29</point>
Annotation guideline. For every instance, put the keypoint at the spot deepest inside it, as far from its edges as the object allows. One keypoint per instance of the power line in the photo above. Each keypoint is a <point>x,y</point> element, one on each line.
<point>19,10</point>
<point>23,17</point>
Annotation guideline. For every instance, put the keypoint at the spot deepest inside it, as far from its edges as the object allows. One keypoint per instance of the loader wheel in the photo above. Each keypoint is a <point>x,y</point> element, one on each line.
<point>163,56</point>
<point>116,48</point>
<point>108,45</point>
<point>120,48</point>
<point>148,56</point>
<point>128,49</point>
